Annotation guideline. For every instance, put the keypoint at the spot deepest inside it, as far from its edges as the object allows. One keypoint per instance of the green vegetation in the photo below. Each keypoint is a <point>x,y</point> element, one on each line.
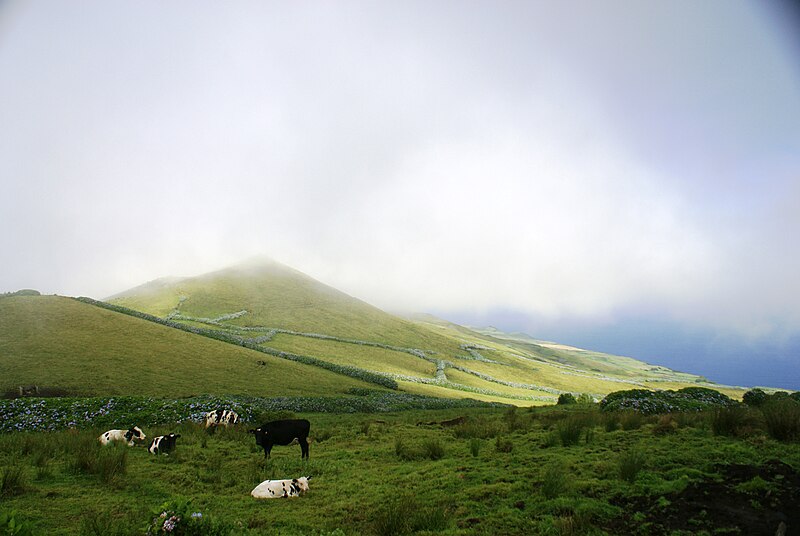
<point>84,350</point>
<point>651,402</point>
<point>404,473</point>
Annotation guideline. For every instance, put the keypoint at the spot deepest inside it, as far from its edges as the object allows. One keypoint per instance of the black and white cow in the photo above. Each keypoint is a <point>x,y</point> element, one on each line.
<point>221,417</point>
<point>275,489</point>
<point>283,432</point>
<point>122,436</point>
<point>163,444</point>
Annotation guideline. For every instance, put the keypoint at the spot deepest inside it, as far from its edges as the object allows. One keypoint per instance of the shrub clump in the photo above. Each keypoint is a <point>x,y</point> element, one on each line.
<point>755,397</point>
<point>566,399</point>
<point>654,402</point>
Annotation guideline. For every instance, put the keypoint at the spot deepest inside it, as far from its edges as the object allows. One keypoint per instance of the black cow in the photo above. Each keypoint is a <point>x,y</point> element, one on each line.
<point>163,444</point>
<point>283,433</point>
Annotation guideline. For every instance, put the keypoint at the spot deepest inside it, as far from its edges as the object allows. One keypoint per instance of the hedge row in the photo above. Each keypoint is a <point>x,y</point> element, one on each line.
<point>51,414</point>
<point>652,402</point>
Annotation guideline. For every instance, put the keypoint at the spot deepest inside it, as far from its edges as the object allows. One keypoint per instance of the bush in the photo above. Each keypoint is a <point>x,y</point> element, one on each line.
<point>754,397</point>
<point>653,402</point>
<point>566,398</point>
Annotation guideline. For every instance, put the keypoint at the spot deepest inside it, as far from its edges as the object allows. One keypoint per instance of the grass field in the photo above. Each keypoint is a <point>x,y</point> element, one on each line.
<point>59,342</point>
<point>501,471</point>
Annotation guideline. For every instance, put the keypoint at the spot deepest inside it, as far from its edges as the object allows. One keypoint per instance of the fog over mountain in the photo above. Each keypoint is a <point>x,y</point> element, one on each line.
<point>619,175</point>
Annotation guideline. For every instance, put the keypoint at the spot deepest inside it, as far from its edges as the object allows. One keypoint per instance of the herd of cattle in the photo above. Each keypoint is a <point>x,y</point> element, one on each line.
<point>281,432</point>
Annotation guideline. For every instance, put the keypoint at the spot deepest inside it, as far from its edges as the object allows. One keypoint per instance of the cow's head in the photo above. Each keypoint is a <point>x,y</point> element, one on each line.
<point>135,433</point>
<point>301,483</point>
<point>260,435</point>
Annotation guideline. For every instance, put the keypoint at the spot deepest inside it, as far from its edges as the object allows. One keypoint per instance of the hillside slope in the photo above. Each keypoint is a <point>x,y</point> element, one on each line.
<point>58,342</point>
<point>287,311</point>
<point>276,296</point>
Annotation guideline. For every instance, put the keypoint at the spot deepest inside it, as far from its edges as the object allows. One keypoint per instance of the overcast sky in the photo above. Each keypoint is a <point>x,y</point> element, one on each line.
<point>567,161</point>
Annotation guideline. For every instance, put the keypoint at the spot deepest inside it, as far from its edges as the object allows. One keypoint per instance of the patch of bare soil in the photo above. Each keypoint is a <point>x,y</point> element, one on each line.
<point>748,500</point>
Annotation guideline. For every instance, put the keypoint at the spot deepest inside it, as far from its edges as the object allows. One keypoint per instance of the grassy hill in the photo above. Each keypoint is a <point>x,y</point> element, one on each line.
<point>58,342</point>
<point>284,310</point>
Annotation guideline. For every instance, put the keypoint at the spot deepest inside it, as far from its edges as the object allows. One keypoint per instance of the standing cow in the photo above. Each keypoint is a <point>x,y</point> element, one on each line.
<point>283,432</point>
<point>221,417</point>
<point>163,444</point>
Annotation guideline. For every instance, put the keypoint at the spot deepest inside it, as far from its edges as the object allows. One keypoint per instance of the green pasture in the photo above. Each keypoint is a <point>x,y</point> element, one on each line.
<point>500,471</point>
<point>57,342</point>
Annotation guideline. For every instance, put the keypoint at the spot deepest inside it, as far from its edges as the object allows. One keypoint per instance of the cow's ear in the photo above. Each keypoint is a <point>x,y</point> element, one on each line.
<point>251,431</point>
<point>308,478</point>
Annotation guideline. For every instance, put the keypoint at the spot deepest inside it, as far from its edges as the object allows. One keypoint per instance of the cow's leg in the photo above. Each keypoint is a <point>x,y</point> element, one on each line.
<point>303,446</point>
<point>267,451</point>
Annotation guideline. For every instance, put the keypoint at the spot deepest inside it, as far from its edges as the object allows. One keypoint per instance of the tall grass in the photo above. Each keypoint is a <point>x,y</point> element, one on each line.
<point>782,418</point>
<point>12,481</point>
<point>630,464</point>
<point>555,481</point>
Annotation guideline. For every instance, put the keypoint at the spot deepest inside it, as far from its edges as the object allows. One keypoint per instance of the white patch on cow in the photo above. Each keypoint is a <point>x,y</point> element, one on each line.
<point>271,489</point>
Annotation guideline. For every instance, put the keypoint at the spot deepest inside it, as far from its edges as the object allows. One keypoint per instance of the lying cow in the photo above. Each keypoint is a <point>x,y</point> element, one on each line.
<point>283,433</point>
<point>221,417</point>
<point>163,444</point>
<point>274,489</point>
<point>122,436</point>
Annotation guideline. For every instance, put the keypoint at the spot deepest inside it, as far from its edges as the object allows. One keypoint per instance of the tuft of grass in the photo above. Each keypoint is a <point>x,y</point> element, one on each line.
<point>554,481</point>
<point>475,447</point>
<point>630,463</point>
<point>406,516</point>
<point>478,428</point>
<point>631,420</point>
<point>12,481</point>
<point>503,444</point>
<point>433,449</point>
<point>111,464</point>
<point>571,429</point>
<point>782,418</point>
<point>666,425</point>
